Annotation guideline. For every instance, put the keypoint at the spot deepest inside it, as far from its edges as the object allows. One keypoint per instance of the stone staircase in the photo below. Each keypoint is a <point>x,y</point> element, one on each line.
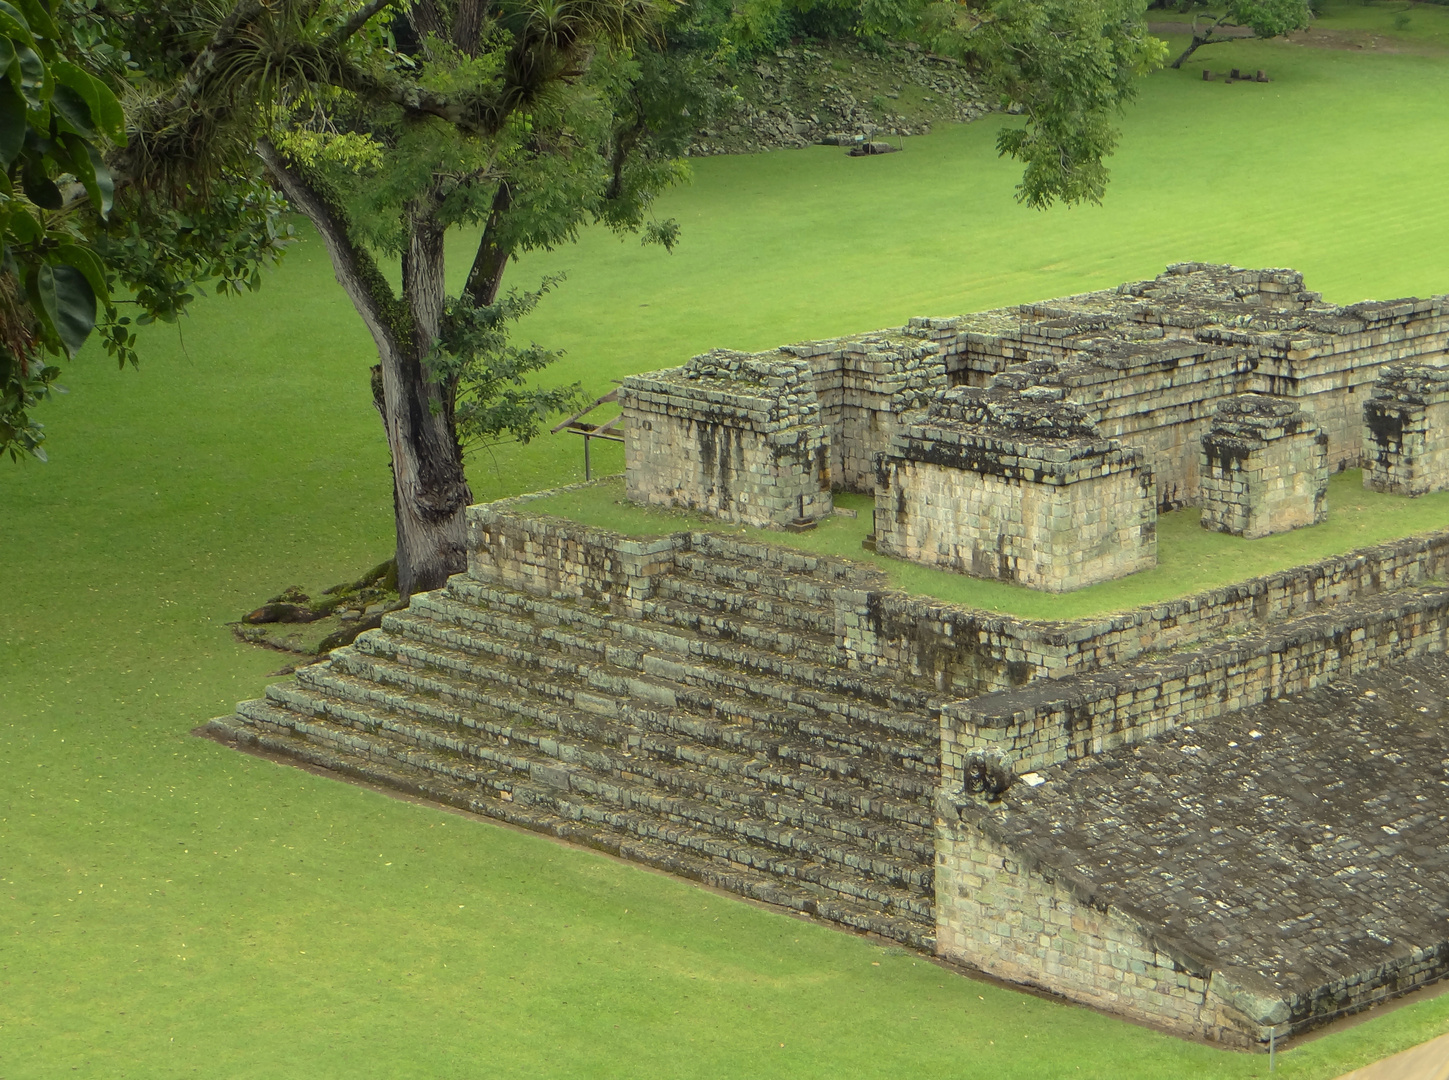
<point>715,733</point>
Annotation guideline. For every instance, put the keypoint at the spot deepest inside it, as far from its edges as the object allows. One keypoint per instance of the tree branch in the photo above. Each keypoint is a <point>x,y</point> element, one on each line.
<point>205,62</point>
<point>487,271</point>
<point>357,21</point>
<point>354,268</point>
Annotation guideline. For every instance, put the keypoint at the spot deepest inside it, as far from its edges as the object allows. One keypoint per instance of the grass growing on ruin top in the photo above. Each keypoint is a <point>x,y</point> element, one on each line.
<point>1189,558</point>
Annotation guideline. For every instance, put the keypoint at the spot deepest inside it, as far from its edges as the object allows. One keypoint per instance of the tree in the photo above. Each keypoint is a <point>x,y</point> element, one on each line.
<point>1266,18</point>
<point>54,119</point>
<point>524,119</point>
<point>80,245</point>
<point>1070,66</point>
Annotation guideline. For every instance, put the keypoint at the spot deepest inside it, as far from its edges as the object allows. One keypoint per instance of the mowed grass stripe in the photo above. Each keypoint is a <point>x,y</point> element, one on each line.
<point>169,908</point>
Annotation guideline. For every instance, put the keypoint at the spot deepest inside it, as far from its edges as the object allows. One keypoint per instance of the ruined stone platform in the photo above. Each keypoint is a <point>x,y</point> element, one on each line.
<point>1295,855</point>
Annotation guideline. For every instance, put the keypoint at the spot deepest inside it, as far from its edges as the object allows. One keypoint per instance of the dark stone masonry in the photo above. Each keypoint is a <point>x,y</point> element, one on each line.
<point>1224,814</point>
<point>1273,865</point>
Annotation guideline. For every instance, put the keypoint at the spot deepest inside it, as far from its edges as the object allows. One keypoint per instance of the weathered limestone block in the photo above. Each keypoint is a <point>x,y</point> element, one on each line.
<point>864,384</point>
<point>1264,468</point>
<point>1406,430</point>
<point>732,434</point>
<point>1015,484</point>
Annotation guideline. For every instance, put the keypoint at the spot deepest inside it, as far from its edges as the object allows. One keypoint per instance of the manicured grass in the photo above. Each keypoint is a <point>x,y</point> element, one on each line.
<point>1189,558</point>
<point>171,908</point>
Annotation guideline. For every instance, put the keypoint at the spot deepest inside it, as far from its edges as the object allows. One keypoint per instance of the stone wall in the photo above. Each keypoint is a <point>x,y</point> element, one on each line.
<point>1026,923</point>
<point>963,651</point>
<point>1151,359</point>
<point>864,385</point>
<point>1406,430</point>
<point>1263,468</point>
<point>1090,713</point>
<point>1000,903</point>
<point>1015,485</point>
<point>735,435</point>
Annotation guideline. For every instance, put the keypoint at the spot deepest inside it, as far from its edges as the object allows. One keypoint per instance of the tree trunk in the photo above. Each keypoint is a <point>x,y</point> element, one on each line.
<point>1197,43</point>
<point>430,491</point>
<point>486,274</point>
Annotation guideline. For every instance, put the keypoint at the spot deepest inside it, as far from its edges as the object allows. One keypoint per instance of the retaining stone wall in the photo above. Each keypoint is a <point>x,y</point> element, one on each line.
<point>1026,924</point>
<point>1051,722</point>
<point>963,651</point>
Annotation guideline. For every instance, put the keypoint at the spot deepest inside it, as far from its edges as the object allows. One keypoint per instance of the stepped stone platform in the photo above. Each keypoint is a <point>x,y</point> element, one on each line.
<point>787,727</point>
<point>713,733</point>
<point>1281,859</point>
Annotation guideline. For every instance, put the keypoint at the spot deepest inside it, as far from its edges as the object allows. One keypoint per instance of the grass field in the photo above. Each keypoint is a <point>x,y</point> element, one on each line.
<point>169,908</point>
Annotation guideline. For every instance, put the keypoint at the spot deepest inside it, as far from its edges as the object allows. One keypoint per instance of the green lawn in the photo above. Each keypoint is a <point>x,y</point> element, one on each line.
<point>170,908</point>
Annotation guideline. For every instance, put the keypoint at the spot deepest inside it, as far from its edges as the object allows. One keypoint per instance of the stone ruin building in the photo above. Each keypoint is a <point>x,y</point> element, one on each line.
<point>1036,444</point>
<point>1223,814</point>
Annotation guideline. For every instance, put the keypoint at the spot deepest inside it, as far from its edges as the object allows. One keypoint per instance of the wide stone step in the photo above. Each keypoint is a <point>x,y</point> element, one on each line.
<point>885,854</point>
<point>758,775</point>
<point>658,696</point>
<point>533,625</point>
<point>577,796</point>
<point>750,604</point>
<point>786,638</point>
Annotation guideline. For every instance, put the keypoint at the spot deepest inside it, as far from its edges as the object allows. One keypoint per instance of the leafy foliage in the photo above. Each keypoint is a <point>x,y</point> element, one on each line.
<point>1072,66</point>
<point>495,398</point>
<point>1266,18</point>
<point>54,119</point>
<point>82,242</point>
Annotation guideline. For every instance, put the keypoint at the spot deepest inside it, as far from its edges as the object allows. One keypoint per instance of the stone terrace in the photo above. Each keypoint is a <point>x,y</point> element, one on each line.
<point>1300,848</point>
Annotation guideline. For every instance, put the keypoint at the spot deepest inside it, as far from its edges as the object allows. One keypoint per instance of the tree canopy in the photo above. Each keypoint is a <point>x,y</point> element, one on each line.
<point>1266,18</point>
<point>388,123</point>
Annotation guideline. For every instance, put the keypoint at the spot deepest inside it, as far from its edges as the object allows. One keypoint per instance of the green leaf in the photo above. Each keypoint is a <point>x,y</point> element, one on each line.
<point>39,188</point>
<point>40,287</point>
<point>88,263</point>
<point>32,75</point>
<point>39,18</point>
<point>12,123</point>
<point>105,111</point>
<point>73,110</point>
<point>75,307</point>
<point>7,55</point>
<point>87,166</point>
<point>23,226</point>
<point>104,183</point>
<point>13,24</point>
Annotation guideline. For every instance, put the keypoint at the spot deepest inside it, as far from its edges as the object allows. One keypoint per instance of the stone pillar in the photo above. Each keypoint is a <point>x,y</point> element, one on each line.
<point>1406,430</point>
<point>1263,468</point>
<point>1017,486</point>
<point>735,435</point>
